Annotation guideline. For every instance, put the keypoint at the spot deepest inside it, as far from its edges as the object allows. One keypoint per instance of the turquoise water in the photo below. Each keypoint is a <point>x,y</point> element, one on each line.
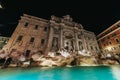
<point>62,73</point>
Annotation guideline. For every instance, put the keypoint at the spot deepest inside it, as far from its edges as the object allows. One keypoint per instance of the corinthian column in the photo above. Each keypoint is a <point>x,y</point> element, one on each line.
<point>61,38</point>
<point>76,41</point>
<point>50,38</point>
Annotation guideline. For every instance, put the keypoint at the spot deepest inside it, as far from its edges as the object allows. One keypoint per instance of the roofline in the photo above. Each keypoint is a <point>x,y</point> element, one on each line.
<point>109,28</point>
<point>109,33</point>
<point>34,17</point>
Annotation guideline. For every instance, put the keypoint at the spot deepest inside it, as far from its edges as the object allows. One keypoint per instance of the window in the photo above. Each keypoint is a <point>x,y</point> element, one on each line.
<point>108,37</point>
<point>19,38</point>
<point>110,43</point>
<point>45,28</point>
<point>26,24</point>
<point>102,40</point>
<point>32,40</point>
<point>27,53</point>
<point>104,45</point>
<point>110,30</point>
<point>91,47</point>
<point>117,40</point>
<point>113,34</point>
<point>118,25</point>
<point>42,41</point>
<point>36,26</point>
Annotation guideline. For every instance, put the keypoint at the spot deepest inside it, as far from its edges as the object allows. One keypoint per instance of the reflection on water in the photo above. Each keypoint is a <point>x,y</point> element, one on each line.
<point>116,71</point>
<point>61,73</point>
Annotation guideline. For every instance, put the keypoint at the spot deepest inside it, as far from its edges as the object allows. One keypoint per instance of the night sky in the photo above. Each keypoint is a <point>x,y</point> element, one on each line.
<point>95,15</point>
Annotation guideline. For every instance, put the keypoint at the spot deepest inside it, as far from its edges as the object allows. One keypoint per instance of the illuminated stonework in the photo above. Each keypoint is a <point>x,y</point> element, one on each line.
<point>36,34</point>
<point>109,39</point>
<point>3,41</point>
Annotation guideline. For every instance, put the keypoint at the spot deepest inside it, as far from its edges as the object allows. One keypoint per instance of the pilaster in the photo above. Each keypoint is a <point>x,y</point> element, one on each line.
<point>50,38</point>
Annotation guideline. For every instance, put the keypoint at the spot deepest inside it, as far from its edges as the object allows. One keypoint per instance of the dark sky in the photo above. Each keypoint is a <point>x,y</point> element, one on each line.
<point>94,15</point>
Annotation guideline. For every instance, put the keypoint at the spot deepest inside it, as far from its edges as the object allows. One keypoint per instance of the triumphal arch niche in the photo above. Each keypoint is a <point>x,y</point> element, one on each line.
<point>64,34</point>
<point>68,40</point>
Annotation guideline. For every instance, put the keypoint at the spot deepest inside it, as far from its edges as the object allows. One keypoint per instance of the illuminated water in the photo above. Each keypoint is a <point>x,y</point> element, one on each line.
<point>62,73</point>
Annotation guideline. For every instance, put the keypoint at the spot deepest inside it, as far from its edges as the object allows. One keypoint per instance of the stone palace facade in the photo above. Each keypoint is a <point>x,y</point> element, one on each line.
<point>36,34</point>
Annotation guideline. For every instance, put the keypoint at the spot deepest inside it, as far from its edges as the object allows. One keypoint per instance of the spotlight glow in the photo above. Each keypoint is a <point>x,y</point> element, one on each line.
<point>1,6</point>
